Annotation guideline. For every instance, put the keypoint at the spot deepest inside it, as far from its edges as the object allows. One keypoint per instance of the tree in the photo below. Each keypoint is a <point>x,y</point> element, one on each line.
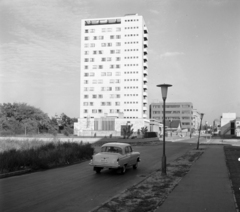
<point>127,131</point>
<point>143,131</point>
<point>17,118</point>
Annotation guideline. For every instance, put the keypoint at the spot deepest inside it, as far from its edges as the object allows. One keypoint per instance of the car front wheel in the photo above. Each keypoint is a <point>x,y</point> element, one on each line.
<point>123,170</point>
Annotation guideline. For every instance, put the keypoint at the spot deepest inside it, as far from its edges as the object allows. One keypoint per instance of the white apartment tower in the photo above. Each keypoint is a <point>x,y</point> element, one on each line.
<point>114,67</point>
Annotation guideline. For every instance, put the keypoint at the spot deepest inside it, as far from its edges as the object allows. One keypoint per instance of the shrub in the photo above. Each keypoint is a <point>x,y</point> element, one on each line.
<point>45,156</point>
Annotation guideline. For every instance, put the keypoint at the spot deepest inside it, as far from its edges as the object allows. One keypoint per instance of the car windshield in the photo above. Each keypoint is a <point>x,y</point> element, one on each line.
<point>111,149</point>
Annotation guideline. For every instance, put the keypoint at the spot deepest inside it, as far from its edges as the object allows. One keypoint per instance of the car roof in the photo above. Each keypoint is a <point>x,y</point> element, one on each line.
<point>121,145</point>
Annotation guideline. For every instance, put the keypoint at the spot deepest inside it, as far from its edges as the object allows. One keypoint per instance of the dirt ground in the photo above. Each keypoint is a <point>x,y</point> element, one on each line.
<point>152,192</point>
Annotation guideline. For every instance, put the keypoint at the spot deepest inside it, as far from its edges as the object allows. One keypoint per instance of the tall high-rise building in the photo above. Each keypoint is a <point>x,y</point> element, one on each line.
<point>114,68</point>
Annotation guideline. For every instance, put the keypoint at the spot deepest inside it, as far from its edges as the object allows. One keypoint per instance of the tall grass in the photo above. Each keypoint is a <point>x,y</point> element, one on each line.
<point>44,156</point>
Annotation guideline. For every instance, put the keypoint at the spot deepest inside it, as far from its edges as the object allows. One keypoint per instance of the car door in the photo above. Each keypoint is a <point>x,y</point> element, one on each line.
<point>131,156</point>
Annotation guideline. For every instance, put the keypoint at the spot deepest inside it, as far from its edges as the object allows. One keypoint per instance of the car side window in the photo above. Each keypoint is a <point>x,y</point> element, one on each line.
<point>126,150</point>
<point>130,149</point>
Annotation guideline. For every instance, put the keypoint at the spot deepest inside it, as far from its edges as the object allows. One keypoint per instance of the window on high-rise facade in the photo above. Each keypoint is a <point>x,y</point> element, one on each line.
<point>118,29</point>
<point>109,73</point>
<point>117,103</point>
<point>117,88</point>
<point>118,44</point>
<point>118,73</point>
<point>111,36</point>
<point>86,38</point>
<point>86,30</point>
<point>118,36</point>
<point>118,58</point>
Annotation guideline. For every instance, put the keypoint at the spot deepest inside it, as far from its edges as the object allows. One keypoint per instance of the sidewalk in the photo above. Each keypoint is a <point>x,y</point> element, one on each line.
<point>205,188</point>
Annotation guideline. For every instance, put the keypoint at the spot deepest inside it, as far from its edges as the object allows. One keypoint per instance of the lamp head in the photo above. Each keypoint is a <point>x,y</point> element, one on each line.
<point>164,88</point>
<point>202,114</point>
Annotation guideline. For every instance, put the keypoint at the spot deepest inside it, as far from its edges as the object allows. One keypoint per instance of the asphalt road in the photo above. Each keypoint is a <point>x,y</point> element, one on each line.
<point>77,187</point>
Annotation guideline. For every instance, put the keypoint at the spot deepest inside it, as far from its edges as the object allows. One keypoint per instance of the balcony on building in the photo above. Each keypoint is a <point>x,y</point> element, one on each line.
<point>145,72</point>
<point>145,58</point>
<point>145,37</point>
<point>145,65</point>
<point>145,79</point>
<point>144,108</point>
<point>144,116</point>
<point>145,101</point>
<point>145,44</point>
<point>145,87</point>
<point>144,93</point>
<point>145,29</point>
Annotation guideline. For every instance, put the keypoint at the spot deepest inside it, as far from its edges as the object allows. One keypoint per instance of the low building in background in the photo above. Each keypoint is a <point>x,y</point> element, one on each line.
<point>230,125</point>
<point>182,111</point>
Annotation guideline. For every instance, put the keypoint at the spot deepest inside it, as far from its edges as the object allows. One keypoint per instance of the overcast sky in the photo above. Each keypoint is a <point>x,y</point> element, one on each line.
<point>193,45</point>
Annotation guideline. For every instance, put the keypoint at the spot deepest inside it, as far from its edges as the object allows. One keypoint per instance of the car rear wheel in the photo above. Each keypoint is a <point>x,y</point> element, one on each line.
<point>98,170</point>
<point>135,166</point>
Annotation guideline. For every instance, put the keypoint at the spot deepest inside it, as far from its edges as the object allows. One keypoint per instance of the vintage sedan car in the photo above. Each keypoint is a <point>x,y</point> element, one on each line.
<point>115,156</point>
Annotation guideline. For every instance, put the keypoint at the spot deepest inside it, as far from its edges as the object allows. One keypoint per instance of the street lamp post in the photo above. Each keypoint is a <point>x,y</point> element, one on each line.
<point>200,129</point>
<point>171,126</point>
<point>164,89</point>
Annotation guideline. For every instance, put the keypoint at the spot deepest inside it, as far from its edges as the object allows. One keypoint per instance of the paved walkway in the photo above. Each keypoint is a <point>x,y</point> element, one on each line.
<point>205,188</point>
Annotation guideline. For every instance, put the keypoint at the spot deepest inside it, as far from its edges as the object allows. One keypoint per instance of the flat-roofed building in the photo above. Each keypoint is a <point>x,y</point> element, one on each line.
<point>113,72</point>
<point>182,111</point>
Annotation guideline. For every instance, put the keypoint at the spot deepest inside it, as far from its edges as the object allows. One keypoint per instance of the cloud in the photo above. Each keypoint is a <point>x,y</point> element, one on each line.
<point>154,11</point>
<point>171,54</point>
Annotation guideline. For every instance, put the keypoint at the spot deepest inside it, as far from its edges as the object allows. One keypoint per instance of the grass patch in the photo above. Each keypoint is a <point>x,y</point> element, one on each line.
<point>152,192</point>
<point>232,154</point>
<point>43,155</point>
